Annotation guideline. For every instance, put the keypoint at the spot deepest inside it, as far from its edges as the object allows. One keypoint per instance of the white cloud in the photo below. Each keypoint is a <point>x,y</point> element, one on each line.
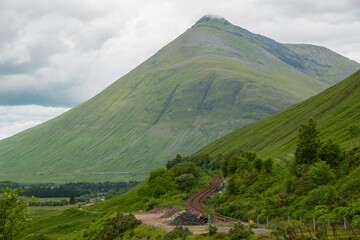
<point>15,119</point>
<point>60,53</point>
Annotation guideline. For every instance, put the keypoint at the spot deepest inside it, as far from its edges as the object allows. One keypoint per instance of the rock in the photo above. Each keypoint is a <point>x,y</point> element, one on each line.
<point>187,219</point>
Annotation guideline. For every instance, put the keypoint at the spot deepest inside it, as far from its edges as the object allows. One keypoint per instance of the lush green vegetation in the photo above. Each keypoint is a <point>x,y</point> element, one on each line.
<point>163,188</point>
<point>335,109</point>
<point>211,80</point>
<point>13,212</point>
<point>320,181</point>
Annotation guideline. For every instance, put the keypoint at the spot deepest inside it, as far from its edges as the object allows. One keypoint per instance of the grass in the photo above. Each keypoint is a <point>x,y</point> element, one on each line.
<point>211,80</point>
<point>334,109</point>
<point>59,224</point>
<point>38,211</point>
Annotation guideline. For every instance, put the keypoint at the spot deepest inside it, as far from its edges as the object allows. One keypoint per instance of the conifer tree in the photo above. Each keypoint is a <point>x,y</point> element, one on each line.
<point>308,143</point>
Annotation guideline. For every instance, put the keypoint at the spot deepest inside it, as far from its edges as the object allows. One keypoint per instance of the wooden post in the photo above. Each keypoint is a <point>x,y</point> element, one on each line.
<point>314,223</point>
<point>309,231</point>
<point>257,221</point>
<point>334,229</point>
<point>345,223</point>
<point>300,221</point>
<point>302,233</point>
<point>350,227</point>
<point>267,222</point>
<point>277,222</point>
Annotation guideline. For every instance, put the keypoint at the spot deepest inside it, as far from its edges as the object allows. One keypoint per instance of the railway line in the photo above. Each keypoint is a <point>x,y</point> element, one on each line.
<point>194,203</point>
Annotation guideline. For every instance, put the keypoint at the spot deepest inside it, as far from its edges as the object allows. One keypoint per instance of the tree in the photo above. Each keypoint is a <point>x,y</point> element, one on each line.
<point>268,164</point>
<point>354,131</point>
<point>72,199</point>
<point>13,212</point>
<point>330,153</point>
<point>308,143</point>
<point>258,164</point>
<point>173,162</point>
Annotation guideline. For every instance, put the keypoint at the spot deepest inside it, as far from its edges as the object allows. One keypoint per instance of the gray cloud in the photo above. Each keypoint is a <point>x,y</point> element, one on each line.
<point>51,51</point>
<point>18,118</point>
<point>60,53</point>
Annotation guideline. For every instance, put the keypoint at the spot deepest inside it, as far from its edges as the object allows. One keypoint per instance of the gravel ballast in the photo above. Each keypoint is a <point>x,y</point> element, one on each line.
<point>187,219</point>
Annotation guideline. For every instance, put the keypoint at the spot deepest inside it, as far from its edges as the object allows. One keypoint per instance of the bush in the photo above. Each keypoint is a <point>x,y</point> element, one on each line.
<point>212,230</point>
<point>159,182</point>
<point>320,174</point>
<point>330,153</point>
<point>268,165</point>
<point>239,232</point>
<point>114,227</point>
<point>185,181</point>
<point>186,168</point>
<point>320,196</point>
<point>173,162</point>
<point>178,232</point>
<point>258,164</point>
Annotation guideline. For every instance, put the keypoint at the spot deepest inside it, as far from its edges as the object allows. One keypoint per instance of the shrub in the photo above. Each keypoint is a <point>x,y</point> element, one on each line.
<point>114,227</point>
<point>239,232</point>
<point>178,232</point>
<point>186,168</point>
<point>173,162</point>
<point>212,230</point>
<point>268,165</point>
<point>257,164</point>
<point>302,186</point>
<point>185,181</point>
<point>320,174</point>
<point>330,153</point>
<point>320,196</point>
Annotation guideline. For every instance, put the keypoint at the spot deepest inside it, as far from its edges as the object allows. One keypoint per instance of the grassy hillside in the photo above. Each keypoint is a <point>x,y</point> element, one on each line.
<point>322,63</point>
<point>335,109</point>
<point>211,80</point>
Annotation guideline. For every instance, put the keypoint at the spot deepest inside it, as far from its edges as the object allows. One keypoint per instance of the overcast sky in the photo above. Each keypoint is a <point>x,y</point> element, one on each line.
<point>57,54</point>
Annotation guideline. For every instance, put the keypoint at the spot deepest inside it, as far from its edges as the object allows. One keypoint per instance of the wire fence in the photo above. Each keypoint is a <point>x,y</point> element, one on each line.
<point>293,228</point>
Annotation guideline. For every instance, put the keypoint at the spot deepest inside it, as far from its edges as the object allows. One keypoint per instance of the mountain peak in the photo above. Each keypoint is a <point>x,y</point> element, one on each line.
<point>212,18</point>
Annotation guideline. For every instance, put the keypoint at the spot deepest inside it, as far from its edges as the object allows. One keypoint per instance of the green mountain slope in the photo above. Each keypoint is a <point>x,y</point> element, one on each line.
<point>322,63</point>
<point>335,109</point>
<point>211,80</point>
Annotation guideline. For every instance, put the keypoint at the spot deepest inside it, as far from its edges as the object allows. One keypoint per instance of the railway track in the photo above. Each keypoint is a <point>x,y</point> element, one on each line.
<point>194,203</point>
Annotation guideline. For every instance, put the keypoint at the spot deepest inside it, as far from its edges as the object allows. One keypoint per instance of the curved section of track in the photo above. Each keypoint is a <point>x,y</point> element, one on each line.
<point>194,203</point>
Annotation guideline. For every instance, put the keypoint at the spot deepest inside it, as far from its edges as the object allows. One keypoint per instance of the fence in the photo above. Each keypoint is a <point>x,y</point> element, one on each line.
<point>295,228</point>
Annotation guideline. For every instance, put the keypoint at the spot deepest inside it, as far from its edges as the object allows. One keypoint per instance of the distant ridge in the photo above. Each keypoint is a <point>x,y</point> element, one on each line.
<point>211,80</point>
<point>335,109</point>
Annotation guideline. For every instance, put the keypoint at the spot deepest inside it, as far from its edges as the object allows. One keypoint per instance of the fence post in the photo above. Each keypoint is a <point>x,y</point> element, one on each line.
<point>350,227</point>
<point>345,223</point>
<point>314,223</point>
<point>334,229</point>
<point>277,221</point>
<point>267,222</point>
<point>257,221</point>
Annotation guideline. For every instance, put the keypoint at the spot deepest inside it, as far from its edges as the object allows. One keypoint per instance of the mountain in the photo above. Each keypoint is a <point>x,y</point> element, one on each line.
<point>335,110</point>
<point>211,80</point>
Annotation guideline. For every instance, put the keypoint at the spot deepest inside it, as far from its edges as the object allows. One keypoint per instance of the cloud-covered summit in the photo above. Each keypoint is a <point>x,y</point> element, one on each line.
<point>61,53</point>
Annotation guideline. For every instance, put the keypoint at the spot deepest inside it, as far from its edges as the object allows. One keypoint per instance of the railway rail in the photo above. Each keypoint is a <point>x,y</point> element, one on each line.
<point>194,203</point>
